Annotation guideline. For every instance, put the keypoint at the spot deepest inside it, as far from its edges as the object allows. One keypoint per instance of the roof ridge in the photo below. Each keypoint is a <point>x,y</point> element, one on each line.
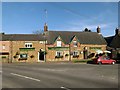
<point>22,34</point>
<point>73,31</point>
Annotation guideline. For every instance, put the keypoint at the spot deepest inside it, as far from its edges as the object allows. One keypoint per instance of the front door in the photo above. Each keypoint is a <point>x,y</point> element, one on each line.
<point>41,56</point>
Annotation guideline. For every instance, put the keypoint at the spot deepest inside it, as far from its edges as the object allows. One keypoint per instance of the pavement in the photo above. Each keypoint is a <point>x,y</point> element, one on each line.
<point>64,76</point>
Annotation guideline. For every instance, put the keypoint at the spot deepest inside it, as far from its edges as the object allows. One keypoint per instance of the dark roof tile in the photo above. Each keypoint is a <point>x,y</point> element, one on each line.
<point>116,41</point>
<point>83,37</point>
<point>22,37</point>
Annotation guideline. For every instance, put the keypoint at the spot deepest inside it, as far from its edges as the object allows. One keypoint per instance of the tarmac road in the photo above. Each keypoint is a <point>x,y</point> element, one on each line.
<point>59,75</point>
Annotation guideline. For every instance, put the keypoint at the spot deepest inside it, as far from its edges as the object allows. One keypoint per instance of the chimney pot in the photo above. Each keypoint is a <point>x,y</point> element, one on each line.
<point>45,27</point>
<point>98,30</point>
<point>117,31</point>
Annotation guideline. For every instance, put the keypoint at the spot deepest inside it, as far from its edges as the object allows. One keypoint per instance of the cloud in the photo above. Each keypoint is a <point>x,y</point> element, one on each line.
<point>92,27</point>
<point>101,19</point>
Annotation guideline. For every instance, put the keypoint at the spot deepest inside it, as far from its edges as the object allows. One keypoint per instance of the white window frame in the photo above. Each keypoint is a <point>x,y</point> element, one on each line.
<point>61,53</point>
<point>3,47</point>
<point>75,43</point>
<point>28,45</point>
<point>59,43</point>
<point>23,57</point>
<point>75,53</point>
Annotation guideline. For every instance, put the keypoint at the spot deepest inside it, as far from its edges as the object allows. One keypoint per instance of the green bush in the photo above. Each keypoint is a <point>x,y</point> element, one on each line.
<point>66,54</point>
<point>32,56</point>
<point>4,57</point>
<point>15,56</point>
<point>58,56</point>
<point>81,61</point>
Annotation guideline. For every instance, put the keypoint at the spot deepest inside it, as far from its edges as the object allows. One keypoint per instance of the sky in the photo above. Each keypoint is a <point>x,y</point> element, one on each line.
<point>26,17</point>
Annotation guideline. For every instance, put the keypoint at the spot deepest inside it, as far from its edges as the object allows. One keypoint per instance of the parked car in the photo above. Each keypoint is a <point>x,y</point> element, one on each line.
<point>103,60</point>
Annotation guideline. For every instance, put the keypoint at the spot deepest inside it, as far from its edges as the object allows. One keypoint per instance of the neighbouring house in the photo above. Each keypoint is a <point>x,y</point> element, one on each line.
<point>24,47</point>
<point>114,44</point>
<point>5,51</point>
<point>54,45</point>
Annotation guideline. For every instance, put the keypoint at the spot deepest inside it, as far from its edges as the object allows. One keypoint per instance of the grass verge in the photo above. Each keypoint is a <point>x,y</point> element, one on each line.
<point>82,61</point>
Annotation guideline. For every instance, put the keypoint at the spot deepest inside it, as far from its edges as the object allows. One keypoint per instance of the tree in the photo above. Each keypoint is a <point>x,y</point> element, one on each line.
<point>86,30</point>
<point>37,32</point>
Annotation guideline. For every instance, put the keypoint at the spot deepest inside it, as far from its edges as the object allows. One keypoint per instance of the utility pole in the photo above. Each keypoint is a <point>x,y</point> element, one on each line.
<point>45,33</point>
<point>46,16</point>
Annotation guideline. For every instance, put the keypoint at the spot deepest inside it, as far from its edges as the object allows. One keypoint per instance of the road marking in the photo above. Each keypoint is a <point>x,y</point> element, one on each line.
<point>25,77</point>
<point>55,70</point>
<point>65,88</point>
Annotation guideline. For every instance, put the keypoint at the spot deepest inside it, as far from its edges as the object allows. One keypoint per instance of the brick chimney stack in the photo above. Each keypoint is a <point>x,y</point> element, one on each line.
<point>98,30</point>
<point>117,31</point>
<point>45,27</point>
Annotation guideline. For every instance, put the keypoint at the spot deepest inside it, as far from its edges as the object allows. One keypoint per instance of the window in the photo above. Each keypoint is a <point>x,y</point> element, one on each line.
<point>75,53</point>
<point>23,56</point>
<point>28,45</point>
<point>59,43</point>
<point>75,43</point>
<point>59,53</point>
<point>3,47</point>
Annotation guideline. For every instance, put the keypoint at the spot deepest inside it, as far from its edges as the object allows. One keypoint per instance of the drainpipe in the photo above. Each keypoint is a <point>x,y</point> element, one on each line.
<point>69,53</point>
<point>11,52</point>
<point>45,48</point>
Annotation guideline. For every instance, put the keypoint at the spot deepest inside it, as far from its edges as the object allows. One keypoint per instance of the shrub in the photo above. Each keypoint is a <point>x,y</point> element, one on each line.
<point>17,53</point>
<point>58,56</point>
<point>15,56</point>
<point>81,61</point>
<point>76,56</point>
<point>66,54</point>
<point>4,57</point>
<point>32,56</point>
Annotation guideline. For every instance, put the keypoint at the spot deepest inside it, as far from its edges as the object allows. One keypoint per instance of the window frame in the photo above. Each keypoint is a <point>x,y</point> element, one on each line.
<point>28,45</point>
<point>75,43</point>
<point>23,56</point>
<point>59,43</point>
<point>75,53</point>
<point>3,47</point>
<point>60,53</point>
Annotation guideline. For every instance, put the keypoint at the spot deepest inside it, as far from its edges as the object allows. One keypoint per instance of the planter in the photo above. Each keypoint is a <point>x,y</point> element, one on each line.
<point>66,54</point>
<point>76,56</point>
<point>58,56</point>
<point>22,58</point>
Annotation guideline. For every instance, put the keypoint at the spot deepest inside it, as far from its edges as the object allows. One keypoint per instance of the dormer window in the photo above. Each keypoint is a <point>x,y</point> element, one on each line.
<point>59,43</point>
<point>75,43</point>
<point>28,45</point>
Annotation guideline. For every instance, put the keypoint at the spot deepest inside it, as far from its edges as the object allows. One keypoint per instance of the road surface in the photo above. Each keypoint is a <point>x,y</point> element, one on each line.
<point>59,75</point>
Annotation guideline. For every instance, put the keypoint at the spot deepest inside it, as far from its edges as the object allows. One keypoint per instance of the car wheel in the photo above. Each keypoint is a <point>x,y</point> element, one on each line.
<point>113,62</point>
<point>99,63</point>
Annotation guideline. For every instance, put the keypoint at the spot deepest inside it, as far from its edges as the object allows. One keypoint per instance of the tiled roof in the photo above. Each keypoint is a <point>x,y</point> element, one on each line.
<point>22,37</point>
<point>109,39</point>
<point>83,37</point>
<point>115,43</point>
